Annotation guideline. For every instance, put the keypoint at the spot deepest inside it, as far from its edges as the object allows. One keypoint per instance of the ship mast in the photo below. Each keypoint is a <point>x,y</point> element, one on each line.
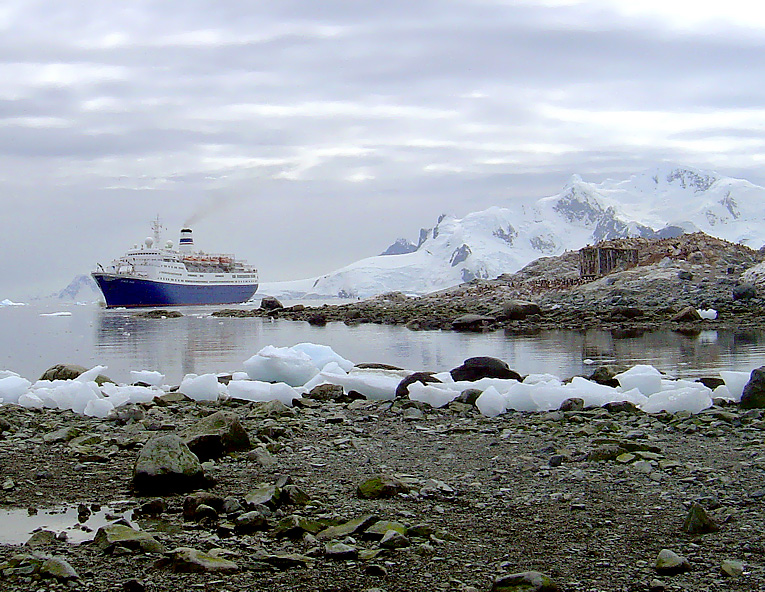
<point>157,228</point>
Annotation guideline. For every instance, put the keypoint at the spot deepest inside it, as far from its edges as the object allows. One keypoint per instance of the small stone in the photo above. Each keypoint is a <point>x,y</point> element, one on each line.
<point>528,581</point>
<point>668,562</point>
<point>58,568</point>
<point>111,536</point>
<point>733,569</point>
<point>340,551</point>
<point>188,560</point>
<point>393,539</point>
<point>698,521</point>
<point>381,486</point>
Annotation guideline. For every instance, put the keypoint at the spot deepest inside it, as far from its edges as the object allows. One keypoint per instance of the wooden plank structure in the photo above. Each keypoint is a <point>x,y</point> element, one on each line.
<point>595,262</point>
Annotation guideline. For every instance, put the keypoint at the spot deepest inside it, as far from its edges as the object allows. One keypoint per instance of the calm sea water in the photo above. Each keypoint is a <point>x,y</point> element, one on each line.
<point>35,337</point>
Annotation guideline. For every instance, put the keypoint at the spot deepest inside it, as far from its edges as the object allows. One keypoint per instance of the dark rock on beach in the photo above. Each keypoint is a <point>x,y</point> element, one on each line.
<point>476,368</point>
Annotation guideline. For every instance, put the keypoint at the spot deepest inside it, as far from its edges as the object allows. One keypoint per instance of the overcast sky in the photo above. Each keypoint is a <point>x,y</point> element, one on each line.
<point>306,134</point>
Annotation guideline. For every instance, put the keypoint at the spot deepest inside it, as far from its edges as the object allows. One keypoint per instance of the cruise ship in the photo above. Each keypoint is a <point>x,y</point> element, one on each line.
<point>154,275</point>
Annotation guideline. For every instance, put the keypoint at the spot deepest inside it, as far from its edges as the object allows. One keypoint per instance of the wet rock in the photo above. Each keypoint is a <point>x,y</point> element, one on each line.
<point>133,585</point>
<point>41,538</point>
<point>472,322</point>
<point>698,521</point>
<point>159,314</point>
<point>165,464</point>
<point>326,392</point>
<point>402,390</point>
<point>378,530</point>
<point>216,435</point>
<point>476,368</point>
<point>286,560</point>
<point>294,527</point>
<point>753,395</point>
<point>393,539</point>
<point>188,560</point>
<point>668,562</point>
<point>606,375</point>
<point>528,581</point>
<point>117,535</point>
<point>70,372</point>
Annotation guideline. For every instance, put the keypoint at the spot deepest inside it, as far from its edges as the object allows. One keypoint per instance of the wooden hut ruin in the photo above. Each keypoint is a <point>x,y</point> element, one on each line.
<point>595,262</point>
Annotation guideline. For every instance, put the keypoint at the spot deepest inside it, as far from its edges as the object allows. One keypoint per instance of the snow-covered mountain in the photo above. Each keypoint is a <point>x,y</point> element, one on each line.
<point>82,288</point>
<point>659,203</point>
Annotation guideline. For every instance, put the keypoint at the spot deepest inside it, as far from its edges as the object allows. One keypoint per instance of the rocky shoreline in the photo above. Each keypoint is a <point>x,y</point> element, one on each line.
<point>341,493</point>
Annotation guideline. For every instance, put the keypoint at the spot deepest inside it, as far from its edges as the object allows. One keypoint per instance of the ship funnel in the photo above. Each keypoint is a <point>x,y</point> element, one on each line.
<point>186,244</point>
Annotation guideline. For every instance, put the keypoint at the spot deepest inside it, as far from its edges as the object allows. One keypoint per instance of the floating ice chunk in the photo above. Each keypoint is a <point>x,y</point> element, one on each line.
<point>149,377</point>
<point>281,364</point>
<point>491,402</point>
<point>6,302</point>
<point>433,394</point>
<point>541,379</point>
<point>321,355</point>
<point>55,314</point>
<point>12,387</point>
<point>332,373</point>
<point>255,390</point>
<point>91,374</point>
<point>201,388</point>
<point>592,393</point>
<point>240,376</point>
<point>735,381</point>
<point>646,379</point>
<point>692,399</point>
<point>709,314</point>
<point>98,408</point>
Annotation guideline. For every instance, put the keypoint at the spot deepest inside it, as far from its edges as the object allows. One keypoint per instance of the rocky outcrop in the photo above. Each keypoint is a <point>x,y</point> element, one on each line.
<point>476,368</point>
<point>215,435</point>
<point>165,464</point>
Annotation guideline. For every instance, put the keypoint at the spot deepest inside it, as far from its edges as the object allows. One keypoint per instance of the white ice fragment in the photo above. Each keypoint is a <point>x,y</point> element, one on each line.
<point>98,408</point>
<point>255,390</point>
<point>549,396</point>
<point>119,395</point>
<point>709,314</point>
<point>692,399</point>
<point>433,394</point>
<point>150,377</point>
<point>520,397</point>
<point>646,379</point>
<point>321,355</point>
<point>31,401</point>
<point>55,314</point>
<point>735,381</point>
<point>6,302</point>
<point>281,364</point>
<point>722,392</point>
<point>12,387</point>
<point>490,402</point>
<point>91,374</point>
<point>201,388</point>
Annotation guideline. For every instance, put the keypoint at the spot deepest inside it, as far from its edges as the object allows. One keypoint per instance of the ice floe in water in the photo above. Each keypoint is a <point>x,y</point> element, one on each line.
<point>286,373</point>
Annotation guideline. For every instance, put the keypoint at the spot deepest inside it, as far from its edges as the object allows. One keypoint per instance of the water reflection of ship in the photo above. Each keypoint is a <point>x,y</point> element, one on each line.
<point>175,347</point>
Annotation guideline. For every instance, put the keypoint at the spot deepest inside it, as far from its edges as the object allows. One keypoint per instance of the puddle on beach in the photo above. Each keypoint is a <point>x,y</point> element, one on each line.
<point>18,524</point>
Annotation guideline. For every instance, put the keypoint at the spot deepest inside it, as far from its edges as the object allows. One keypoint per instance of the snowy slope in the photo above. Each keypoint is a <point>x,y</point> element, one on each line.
<point>657,203</point>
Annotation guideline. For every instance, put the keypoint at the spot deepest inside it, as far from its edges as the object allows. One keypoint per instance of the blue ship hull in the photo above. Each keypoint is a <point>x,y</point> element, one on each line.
<point>122,291</point>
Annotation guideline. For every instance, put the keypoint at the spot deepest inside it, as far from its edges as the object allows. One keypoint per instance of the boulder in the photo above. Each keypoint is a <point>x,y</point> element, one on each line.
<point>744,291</point>
<point>216,435</point>
<point>527,581</point>
<point>117,535</point>
<point>188,560</point>
<point>165,464</point>
<point>517,310</point>
<point>402,390</point>
<point>472,322</point>
<point>381,486</point>
<point>688,314</point>
<point>698,521</point>
<point>474,369</point>
<point>753,395</point>
<point>270,303</point>
<point>70,372</point>
<point>668,562</point>
<point>201,499</point>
